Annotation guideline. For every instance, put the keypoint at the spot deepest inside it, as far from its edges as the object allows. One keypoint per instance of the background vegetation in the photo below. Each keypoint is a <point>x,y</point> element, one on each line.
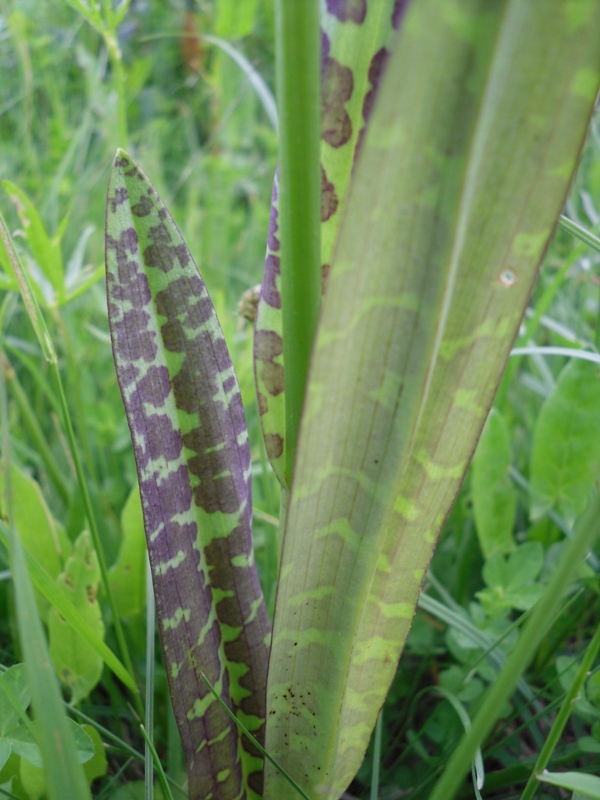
<point>198,127</point>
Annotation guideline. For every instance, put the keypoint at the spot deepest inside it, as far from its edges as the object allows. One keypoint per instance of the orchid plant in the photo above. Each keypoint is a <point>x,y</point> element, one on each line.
<point>449,135</point>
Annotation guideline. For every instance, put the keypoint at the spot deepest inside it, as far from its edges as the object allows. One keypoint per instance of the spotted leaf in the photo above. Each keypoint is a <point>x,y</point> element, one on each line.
<point>190,442</point>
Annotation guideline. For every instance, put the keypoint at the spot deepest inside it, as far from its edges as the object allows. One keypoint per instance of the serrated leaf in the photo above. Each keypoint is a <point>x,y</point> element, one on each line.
<point>463,172</point>
<point>77,664</point>
<point>191,447</point>
<point>565,458</point>
<point>494,497</point>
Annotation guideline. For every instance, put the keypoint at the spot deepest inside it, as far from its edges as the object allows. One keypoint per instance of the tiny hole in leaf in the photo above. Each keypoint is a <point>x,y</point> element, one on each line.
<point>508,277</point>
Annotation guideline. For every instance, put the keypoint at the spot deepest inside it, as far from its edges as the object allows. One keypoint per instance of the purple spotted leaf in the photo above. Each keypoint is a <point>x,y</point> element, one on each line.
<point>190,442</point>
<point>355,36</point>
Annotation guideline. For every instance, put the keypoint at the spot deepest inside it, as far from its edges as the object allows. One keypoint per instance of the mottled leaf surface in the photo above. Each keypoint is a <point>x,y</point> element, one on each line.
<point>355,37</point>
<point>464,168</point>
<point>191,447</point>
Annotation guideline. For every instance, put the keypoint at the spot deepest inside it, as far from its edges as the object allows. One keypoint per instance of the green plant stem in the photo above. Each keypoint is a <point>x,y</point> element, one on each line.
<point>150,662</point>
<point>563,715</point>
<point>533,633</point>
<point>580,233</point>
<point>116,60</point>
<point>161,773</point>
<point>376,757</point>
<point>298,96</point>
<point>96,536</point>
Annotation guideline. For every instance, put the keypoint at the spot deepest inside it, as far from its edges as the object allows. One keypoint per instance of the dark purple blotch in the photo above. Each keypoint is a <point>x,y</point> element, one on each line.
<point>329,200</point>
<point>344,10</point>
<point>336,89</point>
<point>273,445</point>
<point>162,440</point>
<point>155,386</point>
<point>324,277</point>
<point>173,495</point>
<point>268,345</point>
<point>133,337</point>
<point>120,197</point>
<point>162,253</point>
<point>262,403</point>
<point>269,291</point>
<point>398,12</point>
<point>376,70</point>
<point>143,207</point>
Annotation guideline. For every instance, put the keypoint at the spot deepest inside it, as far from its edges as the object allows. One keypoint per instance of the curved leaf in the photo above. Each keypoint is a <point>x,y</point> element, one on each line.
<point>190,442</point>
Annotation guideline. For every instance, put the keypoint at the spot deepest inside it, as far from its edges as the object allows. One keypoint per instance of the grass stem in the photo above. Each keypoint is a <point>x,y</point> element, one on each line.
<point>298,96</point>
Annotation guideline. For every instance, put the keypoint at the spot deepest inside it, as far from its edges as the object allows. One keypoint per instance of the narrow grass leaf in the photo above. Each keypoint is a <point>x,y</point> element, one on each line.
<point>588,785</point>
<point>463,171</point>
<point>190,442</point>
<point>45,249</point>
<point>63,772</point>
<point>31,304</point>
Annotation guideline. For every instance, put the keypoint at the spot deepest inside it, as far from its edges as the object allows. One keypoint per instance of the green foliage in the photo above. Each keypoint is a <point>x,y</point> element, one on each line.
<point>78,664</point>
<point>128,573</point>
<point>494,496</point>
<point>195,121</point>
<point>565,456</point>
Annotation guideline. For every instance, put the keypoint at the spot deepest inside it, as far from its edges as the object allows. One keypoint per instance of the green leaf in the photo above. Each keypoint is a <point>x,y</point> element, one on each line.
<point>494,497</point>
<point>565,458</point>
<point>581,782</point>
<point>235,20</point>
<point>25,745</point>
<point>59,601</point>
<point>13,688</point>
<point>77,664</point>
<point>97,766</point>
<point>30,300</point>
<point>511,580</point>
<point>463,173</point>
<point>127,575</point>
<point>45,249</point>
<point>32,780</point>
<point>38,530</point>
<point>55,735</point>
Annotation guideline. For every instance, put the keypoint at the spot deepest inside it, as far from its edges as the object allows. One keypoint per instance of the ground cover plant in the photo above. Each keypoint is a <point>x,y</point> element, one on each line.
<point>407,357</point>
